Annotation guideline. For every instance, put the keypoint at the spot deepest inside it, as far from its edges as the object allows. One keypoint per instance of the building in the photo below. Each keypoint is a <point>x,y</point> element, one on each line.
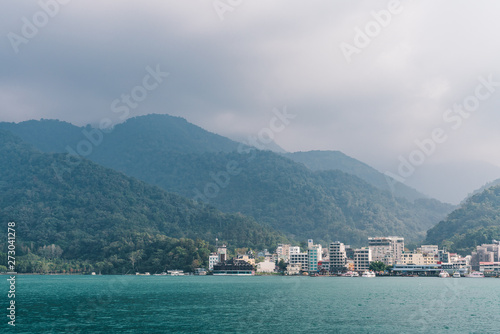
<point>314,253</point>
<point>222,252</point>
<point>266,267</point>
<point>411,269</point>
<point>443,256</point>
<point>324,266</point>
<point>386,249</point>
<point>302,259</point>
<point>349,252</point>
<point>485,253</point>
<point>246,258</point>
<point>428,249</point>
<point>489,267</point>
<point>283,251</point>
<point>419,259</point>
<point>234,267</point>
<point>293,269</point>
<point>213,259</point>
<point>338,256</point>
<point>362,259</point>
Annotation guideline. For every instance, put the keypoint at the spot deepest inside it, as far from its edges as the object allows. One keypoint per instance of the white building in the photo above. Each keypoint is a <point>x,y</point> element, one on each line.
<point>386,249</point>
<point>428,249</point>
<point>293,269</point>
<point>362,259</point>
<point>300,258</point>
<point>337,255</point>
<point>212,260</point>
<point>294,250</point>
<point>266,267</point>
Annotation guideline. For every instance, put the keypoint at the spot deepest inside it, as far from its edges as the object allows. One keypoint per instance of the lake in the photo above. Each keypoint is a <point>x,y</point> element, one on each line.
<point>270,304</point>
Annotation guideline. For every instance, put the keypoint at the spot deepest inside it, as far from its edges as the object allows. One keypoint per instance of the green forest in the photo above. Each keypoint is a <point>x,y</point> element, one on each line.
<point>96,215</point>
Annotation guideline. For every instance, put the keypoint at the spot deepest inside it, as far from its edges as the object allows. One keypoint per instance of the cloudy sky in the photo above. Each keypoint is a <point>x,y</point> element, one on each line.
<point>368,78</point>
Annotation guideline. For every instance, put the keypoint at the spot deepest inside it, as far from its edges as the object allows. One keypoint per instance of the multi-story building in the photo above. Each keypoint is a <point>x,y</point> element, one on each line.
<point>314,253</point>
<point>283,251</point>
<point>302,259</point>
<point>294,250</point>
<point>443,256</point>
<point>485,253</point>
<point>386,249</point>
<point>428,249</point>
<point>293,269</point>
<point>213,259</point>
<point>338,256</point>
<point>362,258</point>
<point>222,251</point>
<point>419,259</point>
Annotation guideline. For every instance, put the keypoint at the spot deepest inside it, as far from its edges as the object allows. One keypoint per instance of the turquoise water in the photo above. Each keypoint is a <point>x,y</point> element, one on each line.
<point>155,304</point>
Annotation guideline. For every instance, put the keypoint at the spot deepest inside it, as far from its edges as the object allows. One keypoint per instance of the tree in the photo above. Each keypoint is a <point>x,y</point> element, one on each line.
<point>282,265</point>
<point>377,266</point>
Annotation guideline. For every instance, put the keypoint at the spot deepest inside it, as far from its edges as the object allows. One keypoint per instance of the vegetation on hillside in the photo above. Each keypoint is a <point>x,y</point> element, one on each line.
<point>476,222</point>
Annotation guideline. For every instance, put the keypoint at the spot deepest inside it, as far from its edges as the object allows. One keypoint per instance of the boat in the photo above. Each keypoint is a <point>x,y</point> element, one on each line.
<point>456,274</point>
<point>443,274</point>
<point>350,274</point>
<point>476,274</point>
<point>368,274</point>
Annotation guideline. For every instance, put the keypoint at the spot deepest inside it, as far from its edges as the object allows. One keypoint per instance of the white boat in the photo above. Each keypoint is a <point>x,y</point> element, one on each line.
<point>476,274</point>
<point>444,274</point>
<point>456,274</point>
<point>350,274</point>
<point>368,274</point>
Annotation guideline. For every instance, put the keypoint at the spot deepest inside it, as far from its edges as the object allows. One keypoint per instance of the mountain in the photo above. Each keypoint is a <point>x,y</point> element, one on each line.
<point>483,188</point>
<point>276,191</point>
<point>94,214</point>
<point>477,221</point>
<point>332,160</point>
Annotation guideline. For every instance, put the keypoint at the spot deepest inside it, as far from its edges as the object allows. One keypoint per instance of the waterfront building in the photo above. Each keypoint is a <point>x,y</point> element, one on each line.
<point>302,259</point>
<point>386,249</point>
<point>432,269</point>
<point>362,259</point>
<point>213,259</point>
<point>234,267</point>
<point>314,254</point>
<point>485,253</point>
<point>489,267</point>
<point>324,266</point>
<point>416,258</point>
<point>293,269</point>
<point>266,267</point>
<point>338,256</point>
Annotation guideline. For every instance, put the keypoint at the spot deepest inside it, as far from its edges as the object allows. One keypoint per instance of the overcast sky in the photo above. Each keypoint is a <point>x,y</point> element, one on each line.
<point>369,89</point>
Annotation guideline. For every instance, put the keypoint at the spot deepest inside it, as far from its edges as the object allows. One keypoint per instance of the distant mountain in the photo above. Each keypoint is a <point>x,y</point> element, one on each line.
<point>477,221</point>
<point>332,160</point>
<point>326,206</point>
<point>483,188</point>
<point>91,213</point>
<point>153,132</point>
